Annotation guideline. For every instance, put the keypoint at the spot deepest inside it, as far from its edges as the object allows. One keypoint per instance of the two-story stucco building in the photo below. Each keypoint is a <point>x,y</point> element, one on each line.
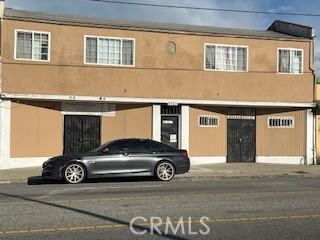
<point>70,83</point>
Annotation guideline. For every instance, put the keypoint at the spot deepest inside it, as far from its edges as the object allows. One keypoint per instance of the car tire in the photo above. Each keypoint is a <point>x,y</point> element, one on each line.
<point>164,171</point>
<point>74,173</point>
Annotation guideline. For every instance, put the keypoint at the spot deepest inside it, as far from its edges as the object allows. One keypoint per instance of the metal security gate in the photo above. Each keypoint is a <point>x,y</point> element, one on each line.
<point>241,135</point>
<point>81,133</point>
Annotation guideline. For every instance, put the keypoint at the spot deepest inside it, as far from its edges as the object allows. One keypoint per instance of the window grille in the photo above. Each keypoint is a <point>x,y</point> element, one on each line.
<point>170,110</point>
<point>208,121</point>
<point>280,122</point>
<point>242,113</point>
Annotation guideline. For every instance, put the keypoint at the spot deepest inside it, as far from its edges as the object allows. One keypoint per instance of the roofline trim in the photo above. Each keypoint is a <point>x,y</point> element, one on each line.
<point>168,101</point>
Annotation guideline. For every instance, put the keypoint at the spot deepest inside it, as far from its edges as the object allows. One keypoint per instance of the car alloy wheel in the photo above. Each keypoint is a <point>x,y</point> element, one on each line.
<point>165,171</point>
<point>74,173</point>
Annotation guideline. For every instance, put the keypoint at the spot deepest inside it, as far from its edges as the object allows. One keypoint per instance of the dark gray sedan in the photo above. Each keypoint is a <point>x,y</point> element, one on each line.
<point>119,158</point>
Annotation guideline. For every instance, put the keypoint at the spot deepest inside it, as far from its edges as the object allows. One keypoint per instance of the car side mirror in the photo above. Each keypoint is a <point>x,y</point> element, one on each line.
<point>125,151</point>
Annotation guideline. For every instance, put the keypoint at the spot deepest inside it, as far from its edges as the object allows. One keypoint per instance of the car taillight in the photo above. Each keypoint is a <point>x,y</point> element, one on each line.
<point>185,153</point>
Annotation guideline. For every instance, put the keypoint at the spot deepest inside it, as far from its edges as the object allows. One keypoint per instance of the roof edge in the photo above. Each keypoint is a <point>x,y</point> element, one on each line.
<point>176,28</point>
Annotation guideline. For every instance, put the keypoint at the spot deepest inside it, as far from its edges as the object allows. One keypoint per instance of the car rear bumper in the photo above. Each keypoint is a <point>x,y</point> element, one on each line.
<point>183,167</point>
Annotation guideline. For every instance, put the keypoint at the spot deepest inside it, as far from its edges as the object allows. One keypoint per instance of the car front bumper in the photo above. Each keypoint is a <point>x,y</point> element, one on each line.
<point>52,172</point>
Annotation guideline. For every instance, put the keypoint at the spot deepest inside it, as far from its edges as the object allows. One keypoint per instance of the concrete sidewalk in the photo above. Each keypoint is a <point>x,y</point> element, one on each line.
<point>221,170</point>
<point>251,170</point>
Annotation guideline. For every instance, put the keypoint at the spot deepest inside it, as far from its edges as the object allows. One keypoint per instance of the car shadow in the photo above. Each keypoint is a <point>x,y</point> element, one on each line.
<point>38,180</point>
<point>122,179</point>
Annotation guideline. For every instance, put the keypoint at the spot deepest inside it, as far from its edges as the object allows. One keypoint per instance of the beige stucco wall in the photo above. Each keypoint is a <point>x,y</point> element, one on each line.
<point>317,124</point>
<point>155,74</point>
<point>129,121</point>
<point>317,87</point>
<point>281,141</point>
<point>36,129</point>
<point>208,141</point>
<point>317,132</point>
<point>269,141</point>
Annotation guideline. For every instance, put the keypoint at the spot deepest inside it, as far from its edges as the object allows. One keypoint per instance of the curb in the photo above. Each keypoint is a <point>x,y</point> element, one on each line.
<point>182,177</point>
<point>284,175</point>
<point>5,182</point>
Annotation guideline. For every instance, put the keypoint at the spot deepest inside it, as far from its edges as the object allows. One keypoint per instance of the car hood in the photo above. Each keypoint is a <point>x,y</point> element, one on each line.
<point>68,157</point>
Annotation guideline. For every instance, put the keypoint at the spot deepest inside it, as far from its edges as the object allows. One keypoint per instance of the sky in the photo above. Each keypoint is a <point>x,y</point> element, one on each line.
<point>188,16</point>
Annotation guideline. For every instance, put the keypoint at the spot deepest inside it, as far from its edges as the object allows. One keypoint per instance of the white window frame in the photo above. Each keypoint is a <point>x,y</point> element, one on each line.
<point>290,49</point>
<point>225,45</point>
<point>33,32</point>
<point>280,118</point>
<point>106,37</point>
<point>209,116</point>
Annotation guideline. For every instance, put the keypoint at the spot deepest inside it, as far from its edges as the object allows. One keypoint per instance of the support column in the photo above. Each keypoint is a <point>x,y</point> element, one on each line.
<point>310,147</point>
<point>156,123</point>
<point>5,120</point>
<point>185,127</point>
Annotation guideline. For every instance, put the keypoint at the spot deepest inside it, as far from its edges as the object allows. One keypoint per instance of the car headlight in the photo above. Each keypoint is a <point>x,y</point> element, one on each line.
<point>48,162</point>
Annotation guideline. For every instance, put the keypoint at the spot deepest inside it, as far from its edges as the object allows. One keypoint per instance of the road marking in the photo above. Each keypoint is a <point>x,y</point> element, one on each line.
<point>147,224</point>
<point>80,189</point>
<point>201,169</point>
<point>34,200</point>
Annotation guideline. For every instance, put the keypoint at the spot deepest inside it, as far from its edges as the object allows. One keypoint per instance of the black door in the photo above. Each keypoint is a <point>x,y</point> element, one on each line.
<point>170,130</point>
<point>81,133</point>
<point>241,138</point>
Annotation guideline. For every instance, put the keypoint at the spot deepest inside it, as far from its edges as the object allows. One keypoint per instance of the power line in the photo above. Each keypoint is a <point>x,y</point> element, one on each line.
<point>208,9</point>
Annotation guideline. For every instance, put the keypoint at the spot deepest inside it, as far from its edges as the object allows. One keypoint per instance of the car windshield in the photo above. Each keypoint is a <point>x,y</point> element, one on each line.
<point>99,149</point>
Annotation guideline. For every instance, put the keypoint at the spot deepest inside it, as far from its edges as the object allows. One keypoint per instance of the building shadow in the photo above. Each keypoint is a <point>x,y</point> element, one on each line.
<point>95,215</point>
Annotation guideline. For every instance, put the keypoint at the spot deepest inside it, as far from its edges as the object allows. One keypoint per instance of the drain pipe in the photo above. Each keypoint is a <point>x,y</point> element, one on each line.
<point>313,111</point>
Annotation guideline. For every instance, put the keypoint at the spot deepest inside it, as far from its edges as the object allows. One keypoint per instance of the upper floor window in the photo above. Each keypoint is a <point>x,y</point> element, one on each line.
<point>32,45</point>
<point>290,60</point>
<point>226,58</point>
<point>109,51</point>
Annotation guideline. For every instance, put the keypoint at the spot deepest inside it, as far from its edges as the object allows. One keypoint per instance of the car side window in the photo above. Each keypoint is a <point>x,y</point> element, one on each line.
<point>158,147</point>
<point>119,147</point>
<point>141,146</point>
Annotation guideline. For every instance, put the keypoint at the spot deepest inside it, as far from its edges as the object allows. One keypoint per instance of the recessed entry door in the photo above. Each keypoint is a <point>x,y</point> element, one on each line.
<point>170,130</point>
<point>81,133</point>
<point>241,135</point>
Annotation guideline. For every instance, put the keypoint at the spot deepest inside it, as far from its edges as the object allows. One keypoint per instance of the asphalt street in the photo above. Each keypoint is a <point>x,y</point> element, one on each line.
<point>234,208</point>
